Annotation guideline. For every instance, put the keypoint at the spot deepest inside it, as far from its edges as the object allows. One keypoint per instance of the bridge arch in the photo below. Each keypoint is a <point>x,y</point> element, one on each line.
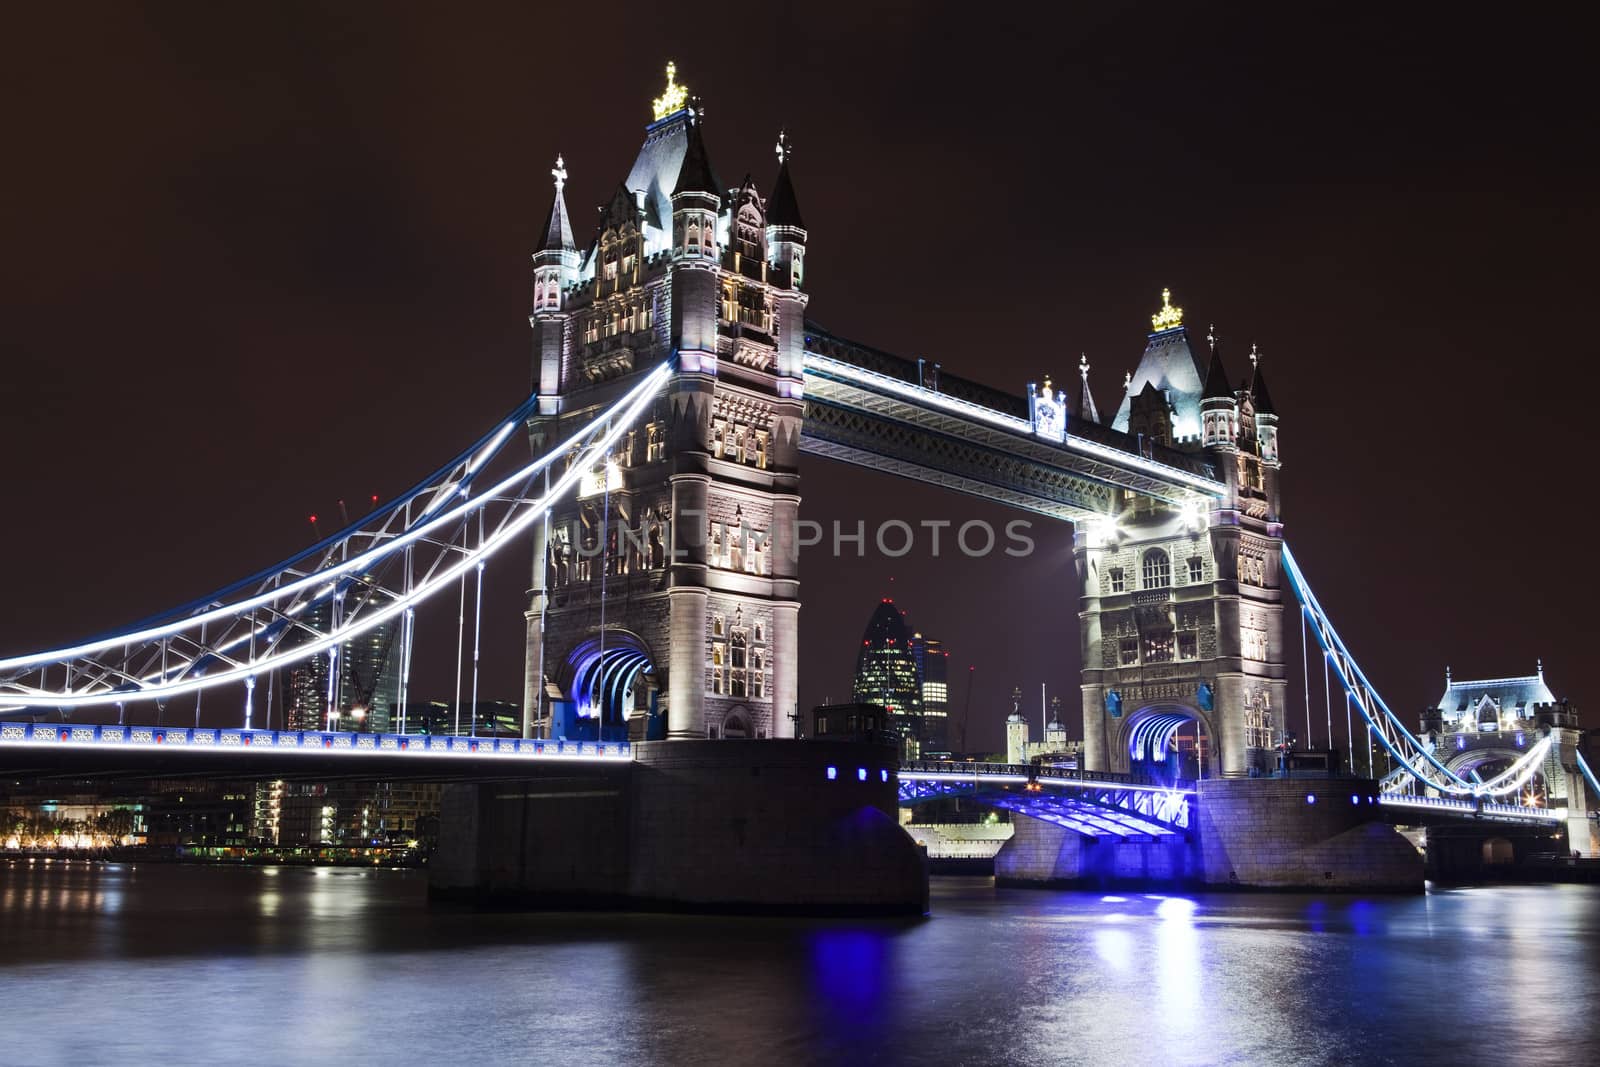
<point>1148,741</point>
<point>610,681</point>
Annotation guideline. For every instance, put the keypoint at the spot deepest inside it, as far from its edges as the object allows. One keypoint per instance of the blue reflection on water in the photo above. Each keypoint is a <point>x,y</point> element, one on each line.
<point>850,972</point>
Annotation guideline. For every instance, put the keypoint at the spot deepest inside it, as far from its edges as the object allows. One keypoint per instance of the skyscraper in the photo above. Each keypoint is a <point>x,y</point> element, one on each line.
<point>933,686</point>
<point>886,674</point>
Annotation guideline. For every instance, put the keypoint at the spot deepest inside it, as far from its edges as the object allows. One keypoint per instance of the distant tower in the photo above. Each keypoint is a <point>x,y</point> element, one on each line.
<point>1182,611</point>
<point>664,599</point>
<point>1016,731</point>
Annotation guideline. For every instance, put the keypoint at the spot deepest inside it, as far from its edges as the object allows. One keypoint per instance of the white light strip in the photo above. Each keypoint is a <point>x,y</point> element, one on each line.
<point>633,402</point>
<point>931,398</point>
<point>636,401</point>
<point>964,777</point>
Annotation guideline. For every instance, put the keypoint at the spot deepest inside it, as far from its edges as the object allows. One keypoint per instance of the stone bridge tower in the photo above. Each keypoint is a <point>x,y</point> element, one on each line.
<point>1181,612</point>
<point>664,600</point>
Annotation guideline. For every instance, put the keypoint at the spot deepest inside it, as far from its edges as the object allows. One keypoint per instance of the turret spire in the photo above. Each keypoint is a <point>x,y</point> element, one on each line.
<point>782,207</point>
<point>557,227</point>
<point>1086,408</point>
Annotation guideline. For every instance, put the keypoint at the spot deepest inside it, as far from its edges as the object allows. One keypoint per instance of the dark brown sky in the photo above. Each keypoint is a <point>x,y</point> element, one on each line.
<point>261,258</point>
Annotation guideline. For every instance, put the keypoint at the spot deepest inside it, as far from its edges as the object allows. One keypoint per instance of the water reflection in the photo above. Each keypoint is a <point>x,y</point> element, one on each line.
<point>305,966</point>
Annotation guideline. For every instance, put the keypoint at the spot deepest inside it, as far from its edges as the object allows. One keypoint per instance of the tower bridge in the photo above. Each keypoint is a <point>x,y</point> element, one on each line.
<point>677,380</point>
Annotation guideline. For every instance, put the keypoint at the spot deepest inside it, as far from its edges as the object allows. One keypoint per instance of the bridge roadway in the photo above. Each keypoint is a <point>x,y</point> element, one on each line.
<point>66,750</point>
<point>1171,805</point>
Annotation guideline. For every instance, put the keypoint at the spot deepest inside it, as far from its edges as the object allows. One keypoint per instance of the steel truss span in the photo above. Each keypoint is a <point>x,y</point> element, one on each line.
<point>378,568</point>
<point>1416,759</point>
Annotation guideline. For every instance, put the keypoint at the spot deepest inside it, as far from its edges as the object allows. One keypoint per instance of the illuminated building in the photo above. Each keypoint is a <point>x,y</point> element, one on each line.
<point>933,685</point>
<point>1181,605</point>
<point>886,674</point>
<point>681,267</point>
<point>1484,726</point>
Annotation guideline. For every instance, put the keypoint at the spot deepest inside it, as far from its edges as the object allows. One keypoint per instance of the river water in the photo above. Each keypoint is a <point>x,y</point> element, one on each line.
<point>157,964</point>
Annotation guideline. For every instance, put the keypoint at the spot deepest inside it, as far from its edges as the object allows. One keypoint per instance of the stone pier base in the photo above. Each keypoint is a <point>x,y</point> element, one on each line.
<point>1302,833</point>
<point>718,826</point>
<point>1249,833</point>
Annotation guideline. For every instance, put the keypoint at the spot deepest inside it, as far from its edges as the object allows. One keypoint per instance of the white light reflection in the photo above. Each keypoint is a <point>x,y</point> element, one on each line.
<point>1178,966</point>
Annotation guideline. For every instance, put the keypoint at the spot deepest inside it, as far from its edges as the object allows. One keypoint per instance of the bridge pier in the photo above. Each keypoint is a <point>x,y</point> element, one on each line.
<point>1301,833</point>
<point>715,826</point>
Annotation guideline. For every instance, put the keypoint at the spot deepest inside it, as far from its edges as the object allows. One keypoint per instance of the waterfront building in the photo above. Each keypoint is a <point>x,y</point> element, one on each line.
<point>886,675</point>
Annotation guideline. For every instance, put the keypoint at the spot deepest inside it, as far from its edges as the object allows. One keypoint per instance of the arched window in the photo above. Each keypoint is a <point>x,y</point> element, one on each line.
<point>1157,572</point>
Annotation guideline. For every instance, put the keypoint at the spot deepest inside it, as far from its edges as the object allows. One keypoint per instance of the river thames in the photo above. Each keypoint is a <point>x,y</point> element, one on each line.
<point>126,964</point>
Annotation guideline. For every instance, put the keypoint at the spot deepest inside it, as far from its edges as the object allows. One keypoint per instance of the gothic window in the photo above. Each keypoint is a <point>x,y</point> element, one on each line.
<point>716,683</point>
<point>757,683</point>
<point>736,683</point>
<point>1197,570</point>
<point>761,450</point>
<point>718,626</point>
<point>693,242</point>
<point>1189,645</point>
<point>655,443</point>
<point>760,634</point>
<point>1119,581</point>
<point>1157,572</point>
<point>738,646</point>
<point>718,545</point>
<point>1128,652</point>
<point>716,654</point>
<point>1158,647</point>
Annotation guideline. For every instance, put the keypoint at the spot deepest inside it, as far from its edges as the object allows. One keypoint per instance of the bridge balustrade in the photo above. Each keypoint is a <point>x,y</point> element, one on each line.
<point>327,741</point>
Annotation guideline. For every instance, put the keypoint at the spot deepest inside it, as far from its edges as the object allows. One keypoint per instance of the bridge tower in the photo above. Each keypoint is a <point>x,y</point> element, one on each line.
<point>664,600</point>
<point>1181,611</point>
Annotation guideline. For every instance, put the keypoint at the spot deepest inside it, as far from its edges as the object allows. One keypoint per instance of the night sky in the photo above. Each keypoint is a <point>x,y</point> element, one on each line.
<point>264,257</point>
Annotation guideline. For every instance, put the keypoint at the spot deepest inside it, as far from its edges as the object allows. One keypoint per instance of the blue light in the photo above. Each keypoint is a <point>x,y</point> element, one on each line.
<point>884,774</point>
<point>1354,799</point>
<point>833,772</point>
<point>1311,798</point>
<point>861,774</point>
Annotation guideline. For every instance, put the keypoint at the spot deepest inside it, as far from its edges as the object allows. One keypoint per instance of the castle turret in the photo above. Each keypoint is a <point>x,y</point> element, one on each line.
<point>1266,415</point>
<point>1016,731</point>
<point>1086,409</point>
<point>555,268</point>
<point>786,249</point>
<point>1219,409</point>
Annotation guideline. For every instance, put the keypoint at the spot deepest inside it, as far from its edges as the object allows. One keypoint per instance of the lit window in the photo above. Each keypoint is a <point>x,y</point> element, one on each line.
<point>1188,645</point>
<point>1129,652</point>
<point>1158,647</point>
<point>1157,573</point>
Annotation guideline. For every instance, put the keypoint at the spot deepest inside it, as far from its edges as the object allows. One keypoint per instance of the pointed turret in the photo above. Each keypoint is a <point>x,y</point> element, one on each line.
<point>786,256</point>
<point>783,209</point>
<point>1086,409</point>
<point>555,268</point>
<point>1219,409</point>
<point>696,175</point>
<point>1266,415</point>
<point>1258,390</point>
<point>557,226</point>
